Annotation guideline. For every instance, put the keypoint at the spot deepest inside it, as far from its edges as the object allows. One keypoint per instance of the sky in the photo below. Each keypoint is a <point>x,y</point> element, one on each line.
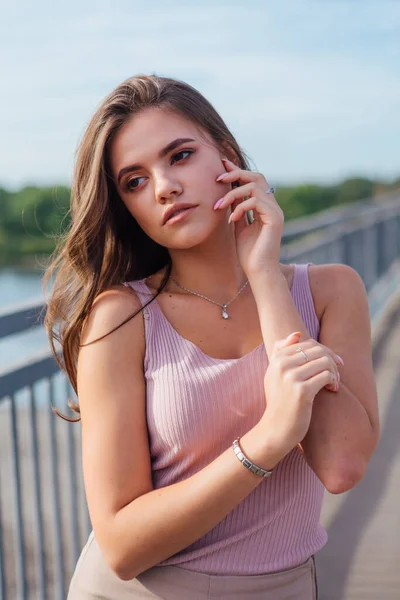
<point>310,88</point>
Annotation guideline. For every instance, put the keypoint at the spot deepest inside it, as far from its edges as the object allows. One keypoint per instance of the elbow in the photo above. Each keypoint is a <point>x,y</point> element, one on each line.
<point>123,558</point>
<point>343,479</point>
<point>122,568</point>
<point>122,561</point>
<point>124,574</point>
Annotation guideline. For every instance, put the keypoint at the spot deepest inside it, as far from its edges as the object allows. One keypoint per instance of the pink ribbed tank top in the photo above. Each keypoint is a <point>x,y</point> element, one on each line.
<point>196,406</point>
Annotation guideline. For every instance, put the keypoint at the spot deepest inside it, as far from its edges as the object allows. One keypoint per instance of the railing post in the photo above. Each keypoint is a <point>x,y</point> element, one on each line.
<point>3,580</point>
<point>22,584</point>
<point>38,499</point>
<point>58,538</point>
<point>73,487</point>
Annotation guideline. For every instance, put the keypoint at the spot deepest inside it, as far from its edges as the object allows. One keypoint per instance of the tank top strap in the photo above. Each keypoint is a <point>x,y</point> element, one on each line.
<point>303,298</point>
<point>152,311</point>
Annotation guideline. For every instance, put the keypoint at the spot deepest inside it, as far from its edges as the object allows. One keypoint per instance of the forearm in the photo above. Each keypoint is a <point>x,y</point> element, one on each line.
<point>340,439</point>
<point>164,521</point>
<point>277,311</point>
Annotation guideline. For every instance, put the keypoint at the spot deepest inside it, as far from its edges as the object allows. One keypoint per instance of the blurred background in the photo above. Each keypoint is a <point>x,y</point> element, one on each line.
<point>311,90</point>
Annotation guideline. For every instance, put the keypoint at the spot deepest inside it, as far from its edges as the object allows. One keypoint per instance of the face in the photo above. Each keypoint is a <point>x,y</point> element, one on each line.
<point>160,159</point>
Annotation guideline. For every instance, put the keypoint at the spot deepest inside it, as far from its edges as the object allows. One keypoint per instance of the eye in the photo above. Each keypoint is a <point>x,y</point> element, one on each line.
<point>133,184</point>
<point>181,155</point>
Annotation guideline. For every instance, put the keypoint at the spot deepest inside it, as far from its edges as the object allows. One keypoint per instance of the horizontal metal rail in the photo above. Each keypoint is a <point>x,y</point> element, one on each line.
<point>27,372</point>
<point>338,215</point>
<point>21,317</point>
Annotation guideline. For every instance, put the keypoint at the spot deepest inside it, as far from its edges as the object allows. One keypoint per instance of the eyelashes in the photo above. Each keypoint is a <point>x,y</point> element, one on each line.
<point>129,185</point>
<point>132,184</point>
<point>189,152</point>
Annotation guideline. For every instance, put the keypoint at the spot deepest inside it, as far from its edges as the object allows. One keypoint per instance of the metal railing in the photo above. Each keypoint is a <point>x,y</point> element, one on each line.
<point>44,520</point>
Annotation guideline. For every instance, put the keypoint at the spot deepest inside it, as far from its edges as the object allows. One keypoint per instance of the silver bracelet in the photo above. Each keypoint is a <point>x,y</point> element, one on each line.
<point>248,463</point>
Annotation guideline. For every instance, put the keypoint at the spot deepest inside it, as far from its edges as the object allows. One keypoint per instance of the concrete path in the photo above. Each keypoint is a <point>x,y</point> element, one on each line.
<point>362,558</point>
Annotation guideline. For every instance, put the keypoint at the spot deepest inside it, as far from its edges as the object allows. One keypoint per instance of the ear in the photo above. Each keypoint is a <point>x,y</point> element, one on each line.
<point>227,152</point>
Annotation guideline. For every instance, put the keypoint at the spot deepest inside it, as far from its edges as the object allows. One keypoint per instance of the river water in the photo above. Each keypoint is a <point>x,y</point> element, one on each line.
<point>17,287</point>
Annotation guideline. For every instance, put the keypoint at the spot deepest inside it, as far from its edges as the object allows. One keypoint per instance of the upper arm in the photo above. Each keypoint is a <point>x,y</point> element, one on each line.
<point>111,392</point>
<point>346,329</point>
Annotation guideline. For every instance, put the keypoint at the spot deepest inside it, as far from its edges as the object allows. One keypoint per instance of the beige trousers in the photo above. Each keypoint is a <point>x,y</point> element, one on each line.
<point>94,580</point>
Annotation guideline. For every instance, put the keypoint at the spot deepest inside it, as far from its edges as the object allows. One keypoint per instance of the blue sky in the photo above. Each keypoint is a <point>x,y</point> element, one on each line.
<point>310,88</point>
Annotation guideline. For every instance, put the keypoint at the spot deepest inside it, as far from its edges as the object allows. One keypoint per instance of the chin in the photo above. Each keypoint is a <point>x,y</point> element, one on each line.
<point>189,237</point>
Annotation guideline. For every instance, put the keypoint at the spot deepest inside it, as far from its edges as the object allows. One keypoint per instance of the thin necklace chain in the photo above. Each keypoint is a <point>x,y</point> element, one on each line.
<point>223,306</point>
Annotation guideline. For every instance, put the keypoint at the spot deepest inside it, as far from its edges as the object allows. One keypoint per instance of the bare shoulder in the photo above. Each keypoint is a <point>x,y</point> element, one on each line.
<point>334,283</point>
<point>109,310</point>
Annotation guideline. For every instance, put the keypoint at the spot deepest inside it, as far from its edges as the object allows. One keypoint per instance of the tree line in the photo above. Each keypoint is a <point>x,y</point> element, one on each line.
<point>33,217</point>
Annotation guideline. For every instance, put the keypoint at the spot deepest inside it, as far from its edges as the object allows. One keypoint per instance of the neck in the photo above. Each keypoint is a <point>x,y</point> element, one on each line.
<point>212,269</point>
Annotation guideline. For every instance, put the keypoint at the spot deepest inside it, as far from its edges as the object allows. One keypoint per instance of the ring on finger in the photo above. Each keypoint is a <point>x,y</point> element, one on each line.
<point>304,354</point>
<point>270,190</point>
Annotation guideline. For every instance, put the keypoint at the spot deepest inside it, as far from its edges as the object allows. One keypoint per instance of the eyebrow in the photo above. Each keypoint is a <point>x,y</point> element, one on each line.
<point>171,146</point>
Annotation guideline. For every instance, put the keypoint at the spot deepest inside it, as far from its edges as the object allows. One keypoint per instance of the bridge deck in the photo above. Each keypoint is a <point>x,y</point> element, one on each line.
<point>362,558</point>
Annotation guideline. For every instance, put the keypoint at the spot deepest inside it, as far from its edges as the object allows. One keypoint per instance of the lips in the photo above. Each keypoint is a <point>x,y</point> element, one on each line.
<point>176,209</point>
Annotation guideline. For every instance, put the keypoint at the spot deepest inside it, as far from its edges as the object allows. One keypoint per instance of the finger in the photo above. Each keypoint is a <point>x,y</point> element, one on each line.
<point>303,370</point>
<point>291,339</point>
<point>302,355</point>
<point>311,343</point>
<point>316,352</point>
<point>299,355</point>
<point>242,176</point>
<point>318,382</point>
<point>265,212</point>
<point>237,194</point>
<point>312,368</point>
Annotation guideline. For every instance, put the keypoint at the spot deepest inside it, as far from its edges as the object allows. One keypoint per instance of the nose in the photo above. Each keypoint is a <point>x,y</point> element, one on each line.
<point>166,186</point>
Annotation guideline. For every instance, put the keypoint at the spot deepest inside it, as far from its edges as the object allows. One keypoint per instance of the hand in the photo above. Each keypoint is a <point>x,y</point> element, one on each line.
<point>291,385</point>
<point>258,244</point>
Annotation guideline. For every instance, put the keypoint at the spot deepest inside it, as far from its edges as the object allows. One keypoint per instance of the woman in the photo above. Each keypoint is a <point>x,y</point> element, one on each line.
<point>204,469</point>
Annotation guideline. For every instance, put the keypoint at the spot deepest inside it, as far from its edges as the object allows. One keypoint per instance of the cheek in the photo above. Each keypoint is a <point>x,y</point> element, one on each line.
<point>211,183</point>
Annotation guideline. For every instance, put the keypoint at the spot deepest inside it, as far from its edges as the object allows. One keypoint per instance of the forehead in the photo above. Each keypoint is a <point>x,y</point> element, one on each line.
<point>145,134</point>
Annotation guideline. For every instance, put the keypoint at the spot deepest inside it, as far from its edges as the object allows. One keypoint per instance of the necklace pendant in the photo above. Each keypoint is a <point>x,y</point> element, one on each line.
<point>225,312</point>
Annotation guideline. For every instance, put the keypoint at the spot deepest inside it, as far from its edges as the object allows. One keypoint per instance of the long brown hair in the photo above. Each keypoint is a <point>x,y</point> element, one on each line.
<point>104,245</point>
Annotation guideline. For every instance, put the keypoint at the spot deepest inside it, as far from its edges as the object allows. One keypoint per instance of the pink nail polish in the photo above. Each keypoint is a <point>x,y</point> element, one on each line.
<point>218,203</point>
<point>221,176</point>
<point>340,359</point>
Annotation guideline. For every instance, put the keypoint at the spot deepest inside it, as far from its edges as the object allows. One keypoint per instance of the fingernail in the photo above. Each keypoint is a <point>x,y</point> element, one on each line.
<point>218,203</point>
<point>293,336</point>
<point>221,176</point>
<point>340,359</point>
<point>230,217</point>
<point>297,333</point>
